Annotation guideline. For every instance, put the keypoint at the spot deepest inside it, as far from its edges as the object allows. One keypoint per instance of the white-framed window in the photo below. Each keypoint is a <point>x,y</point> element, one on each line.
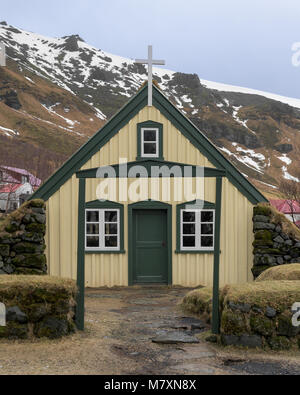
<point>102,230</point>
<point>150,142</point>
<point>197,230</point>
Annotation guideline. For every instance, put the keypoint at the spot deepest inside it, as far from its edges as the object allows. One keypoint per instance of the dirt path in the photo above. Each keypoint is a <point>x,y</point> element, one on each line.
<point>120,326</point>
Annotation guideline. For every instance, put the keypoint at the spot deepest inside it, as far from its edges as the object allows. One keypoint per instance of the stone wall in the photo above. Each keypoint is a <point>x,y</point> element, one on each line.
<point>276,239</point>
<point>254,326</point>
<point>37,306</point>
<point>22,242</point>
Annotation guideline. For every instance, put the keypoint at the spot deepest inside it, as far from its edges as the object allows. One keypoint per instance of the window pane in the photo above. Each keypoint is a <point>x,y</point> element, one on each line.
<point>149,135</point>
<point>207,241</point>
<point>207,229</point>
<point>189,241</point>
<point>111,241</point>
<point>207,216</point>
<point>150,148</point>
<point>111,216</point>
<point>92,229</point>
<point>189,229</point>
<point>111,229</point>
<point>189,216</point>
<point>92,241</point>
<point>92,216</point>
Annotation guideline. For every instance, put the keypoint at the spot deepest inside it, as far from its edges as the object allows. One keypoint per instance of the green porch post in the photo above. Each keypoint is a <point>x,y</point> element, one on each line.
<point>80,256</point>
<point>216,281</point>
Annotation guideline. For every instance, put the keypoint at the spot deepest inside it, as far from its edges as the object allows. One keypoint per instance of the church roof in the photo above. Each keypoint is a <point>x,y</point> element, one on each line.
<point>182,123</point>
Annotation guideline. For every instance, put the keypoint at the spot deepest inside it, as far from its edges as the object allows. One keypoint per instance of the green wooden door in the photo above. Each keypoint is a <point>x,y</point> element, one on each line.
<point>150,249</point>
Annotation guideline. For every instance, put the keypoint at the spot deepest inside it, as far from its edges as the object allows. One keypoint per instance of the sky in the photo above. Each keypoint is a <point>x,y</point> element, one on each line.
<point>238,42</point>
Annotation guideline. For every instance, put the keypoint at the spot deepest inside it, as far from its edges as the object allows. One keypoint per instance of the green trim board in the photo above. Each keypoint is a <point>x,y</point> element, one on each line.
<point>154,125</point>
<point>122,170</point>
<point>216,277</point>
<point>149,205</point>
<point>80,257</point>
<point>107,204</point>
<point>138,102</point>
<point>203,205</point>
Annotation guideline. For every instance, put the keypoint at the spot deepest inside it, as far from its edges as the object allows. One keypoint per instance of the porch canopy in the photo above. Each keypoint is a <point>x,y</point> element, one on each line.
<point>123,171</point>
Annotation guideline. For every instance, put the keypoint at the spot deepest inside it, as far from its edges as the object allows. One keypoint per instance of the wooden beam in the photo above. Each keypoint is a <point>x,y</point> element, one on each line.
<point>216,280</point>
<point>81,256</point>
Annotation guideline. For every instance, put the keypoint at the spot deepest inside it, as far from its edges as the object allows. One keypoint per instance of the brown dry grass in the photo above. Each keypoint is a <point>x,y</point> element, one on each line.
<point>47,282</point>
<point>284,272</point>
<point>278,218</point>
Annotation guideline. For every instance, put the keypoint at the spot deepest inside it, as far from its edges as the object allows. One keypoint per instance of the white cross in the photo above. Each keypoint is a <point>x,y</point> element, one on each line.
<point>150,62</point>
<point>2,55</point>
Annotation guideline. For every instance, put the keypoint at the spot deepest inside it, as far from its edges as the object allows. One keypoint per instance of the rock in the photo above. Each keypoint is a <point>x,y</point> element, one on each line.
<point>16,315</point>
<point>284,148</point>
<point>263,225</point>
<point>287,257</point>
<point>278,229</point>
<point>36,261</point>
<point>297,245</point>
<point>38,312</point>
<point>261,325</point>
<point>4,250</point>
<point>280,260</point>
<point>52,328</point>
<point>250,341</point>
<point>285,327</point>
<point>197,326</point>
<point>261,218</point>
<point>213,339</point>
<point>284,236</point>
<point>233,323</point>
<point>278,343</point>
<point>270,312</point>
<point>279,240</point>
<point>174,338</point>
<point>8,269</point>
<point>24,248</point>
<point>245,308</point>
<point>288,242</point>
<point>257,270</point>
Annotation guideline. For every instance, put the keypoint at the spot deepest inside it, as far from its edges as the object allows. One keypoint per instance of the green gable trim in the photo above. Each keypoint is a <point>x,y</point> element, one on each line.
<point>122,170</point>
<point>205,206</point>
<point>197,138</point>
<point>93,145</point>
<point>107,204</point>
<point>111,128</point>
<point>149,124</point>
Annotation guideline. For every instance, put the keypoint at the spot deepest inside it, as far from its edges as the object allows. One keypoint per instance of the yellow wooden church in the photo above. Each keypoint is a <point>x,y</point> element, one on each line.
<point>121,209</point>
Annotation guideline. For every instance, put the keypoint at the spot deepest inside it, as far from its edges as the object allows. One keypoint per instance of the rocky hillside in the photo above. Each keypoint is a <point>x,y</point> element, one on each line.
<point>56,93</point>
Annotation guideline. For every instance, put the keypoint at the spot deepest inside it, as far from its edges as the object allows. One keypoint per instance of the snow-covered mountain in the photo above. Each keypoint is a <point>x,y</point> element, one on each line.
<point>57,92</point>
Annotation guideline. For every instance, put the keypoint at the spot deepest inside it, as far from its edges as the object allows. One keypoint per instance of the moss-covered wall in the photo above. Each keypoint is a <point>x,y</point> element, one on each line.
<point>253,315</point>
<point>37,306</point>
<point>276,239</point>
<point>22,242</point>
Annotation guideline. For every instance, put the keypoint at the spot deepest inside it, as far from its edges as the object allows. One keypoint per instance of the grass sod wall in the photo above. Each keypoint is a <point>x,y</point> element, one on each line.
<point>37,306</point>
<point>279,273</point>
<point>22,242</point>
<point>276,239</point>
<point>253,315</point>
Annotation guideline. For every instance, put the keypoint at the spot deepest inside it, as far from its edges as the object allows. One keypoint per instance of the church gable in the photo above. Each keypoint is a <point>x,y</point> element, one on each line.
<point>179,141</point>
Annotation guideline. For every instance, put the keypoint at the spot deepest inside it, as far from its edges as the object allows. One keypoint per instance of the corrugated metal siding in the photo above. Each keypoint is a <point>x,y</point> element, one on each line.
<point>112,269</point>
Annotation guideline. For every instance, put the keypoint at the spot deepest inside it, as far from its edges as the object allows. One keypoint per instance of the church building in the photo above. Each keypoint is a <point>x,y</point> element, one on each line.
<point>149,199</point>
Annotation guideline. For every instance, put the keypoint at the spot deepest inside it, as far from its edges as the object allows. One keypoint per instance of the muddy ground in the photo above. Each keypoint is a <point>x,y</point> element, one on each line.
<point>120,326</point>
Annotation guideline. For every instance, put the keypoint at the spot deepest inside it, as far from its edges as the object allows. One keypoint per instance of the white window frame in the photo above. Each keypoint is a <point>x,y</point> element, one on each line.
<point>198,233</point>
<point>101,234</point>
<point>156,142</point>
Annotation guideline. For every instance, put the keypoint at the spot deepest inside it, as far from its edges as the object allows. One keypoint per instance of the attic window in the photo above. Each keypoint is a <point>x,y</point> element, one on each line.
<point>150,143</point>
<point>150,140</point>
